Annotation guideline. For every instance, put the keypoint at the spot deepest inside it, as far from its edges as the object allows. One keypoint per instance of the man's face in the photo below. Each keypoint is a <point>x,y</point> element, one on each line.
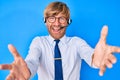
<point>56,25</point>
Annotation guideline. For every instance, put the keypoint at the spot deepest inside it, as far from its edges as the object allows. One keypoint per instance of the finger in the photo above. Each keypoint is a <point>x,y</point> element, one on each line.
<point>112,58</point>
<point>104,33</point>
<point>13,50</point>
<point>102,70</point>
<point>10,77</point>
<point>115,49</point>
<point>108,64</point>
<point>20,77</point>
<point>6,66</point>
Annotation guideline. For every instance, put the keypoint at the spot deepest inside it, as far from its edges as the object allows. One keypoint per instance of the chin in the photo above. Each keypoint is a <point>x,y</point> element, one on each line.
<point>57,37</point>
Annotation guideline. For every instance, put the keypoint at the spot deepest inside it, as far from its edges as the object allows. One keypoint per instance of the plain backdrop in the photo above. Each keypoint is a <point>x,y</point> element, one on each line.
<point>22,20</point>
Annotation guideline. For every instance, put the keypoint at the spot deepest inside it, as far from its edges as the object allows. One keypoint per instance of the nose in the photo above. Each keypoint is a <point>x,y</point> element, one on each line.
<point>57,22</point>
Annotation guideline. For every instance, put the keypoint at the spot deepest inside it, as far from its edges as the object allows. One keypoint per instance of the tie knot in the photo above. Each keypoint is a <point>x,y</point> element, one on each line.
<point>57,41</point>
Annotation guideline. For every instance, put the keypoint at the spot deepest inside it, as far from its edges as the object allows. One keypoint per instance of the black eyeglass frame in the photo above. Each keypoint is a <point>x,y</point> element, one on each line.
<point>69,21</point>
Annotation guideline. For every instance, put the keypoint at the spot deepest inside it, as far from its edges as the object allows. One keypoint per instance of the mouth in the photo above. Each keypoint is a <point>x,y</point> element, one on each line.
<point>57,29</point>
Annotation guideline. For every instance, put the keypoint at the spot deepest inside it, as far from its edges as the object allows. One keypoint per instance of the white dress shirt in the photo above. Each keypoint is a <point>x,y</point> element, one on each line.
<point>40,59</point>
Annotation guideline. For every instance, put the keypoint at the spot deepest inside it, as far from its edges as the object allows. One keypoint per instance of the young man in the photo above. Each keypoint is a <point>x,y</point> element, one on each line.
<point>56,56</point>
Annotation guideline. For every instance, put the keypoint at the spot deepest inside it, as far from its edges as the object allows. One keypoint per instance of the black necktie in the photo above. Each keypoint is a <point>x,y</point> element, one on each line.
<point>58,62</point>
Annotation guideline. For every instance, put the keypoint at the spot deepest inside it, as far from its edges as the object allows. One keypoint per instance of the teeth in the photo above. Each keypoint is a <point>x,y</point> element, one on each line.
<point>56,28</point>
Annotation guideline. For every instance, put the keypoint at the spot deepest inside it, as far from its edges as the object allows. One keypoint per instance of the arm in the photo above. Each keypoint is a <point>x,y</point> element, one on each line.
<point>18,69</point>
<point>103,56</point>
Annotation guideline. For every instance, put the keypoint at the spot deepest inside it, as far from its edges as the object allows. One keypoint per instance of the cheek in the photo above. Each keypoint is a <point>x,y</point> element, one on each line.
<point>65,24</point>
<point>64,30</point>
<point>48,25</point>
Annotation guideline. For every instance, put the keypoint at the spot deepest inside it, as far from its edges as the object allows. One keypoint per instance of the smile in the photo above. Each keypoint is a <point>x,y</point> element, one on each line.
<point>57,29</point>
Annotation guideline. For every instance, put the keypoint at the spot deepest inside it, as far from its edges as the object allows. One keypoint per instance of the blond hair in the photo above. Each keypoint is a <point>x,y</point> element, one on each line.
<point>55,8</point>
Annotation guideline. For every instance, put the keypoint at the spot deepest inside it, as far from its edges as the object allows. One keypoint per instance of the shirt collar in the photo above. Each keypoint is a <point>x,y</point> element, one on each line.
<point>63,40</point>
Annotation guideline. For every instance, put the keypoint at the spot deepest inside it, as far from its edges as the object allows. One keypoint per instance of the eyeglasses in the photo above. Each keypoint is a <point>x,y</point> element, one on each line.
<point>52,19</point>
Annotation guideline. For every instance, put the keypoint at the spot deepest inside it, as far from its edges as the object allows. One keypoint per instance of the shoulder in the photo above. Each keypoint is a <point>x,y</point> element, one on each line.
<point>75,38</point>
<point>39,39</point>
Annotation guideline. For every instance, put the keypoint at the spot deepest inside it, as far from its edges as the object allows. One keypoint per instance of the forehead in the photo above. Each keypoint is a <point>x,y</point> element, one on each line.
<point>60,15</point>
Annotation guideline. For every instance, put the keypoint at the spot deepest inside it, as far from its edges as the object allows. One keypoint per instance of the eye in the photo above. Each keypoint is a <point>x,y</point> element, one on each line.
<point>62,19</point>
<point>51,19</point>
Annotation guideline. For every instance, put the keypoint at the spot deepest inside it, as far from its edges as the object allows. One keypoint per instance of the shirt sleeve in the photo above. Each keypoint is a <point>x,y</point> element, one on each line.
<point>33,56</point>
<point>85,51</point>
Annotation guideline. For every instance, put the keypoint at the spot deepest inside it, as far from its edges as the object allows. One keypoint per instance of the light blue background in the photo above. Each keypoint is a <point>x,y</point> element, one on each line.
<point>22,20</point>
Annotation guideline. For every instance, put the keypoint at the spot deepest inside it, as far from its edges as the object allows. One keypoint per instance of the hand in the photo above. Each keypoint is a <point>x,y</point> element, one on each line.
<point>103,56</point>
<point>18,69</point>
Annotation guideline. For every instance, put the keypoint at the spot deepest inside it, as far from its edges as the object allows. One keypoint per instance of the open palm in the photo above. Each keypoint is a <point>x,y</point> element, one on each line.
<point>103,56</point>
<point>18,69</point>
